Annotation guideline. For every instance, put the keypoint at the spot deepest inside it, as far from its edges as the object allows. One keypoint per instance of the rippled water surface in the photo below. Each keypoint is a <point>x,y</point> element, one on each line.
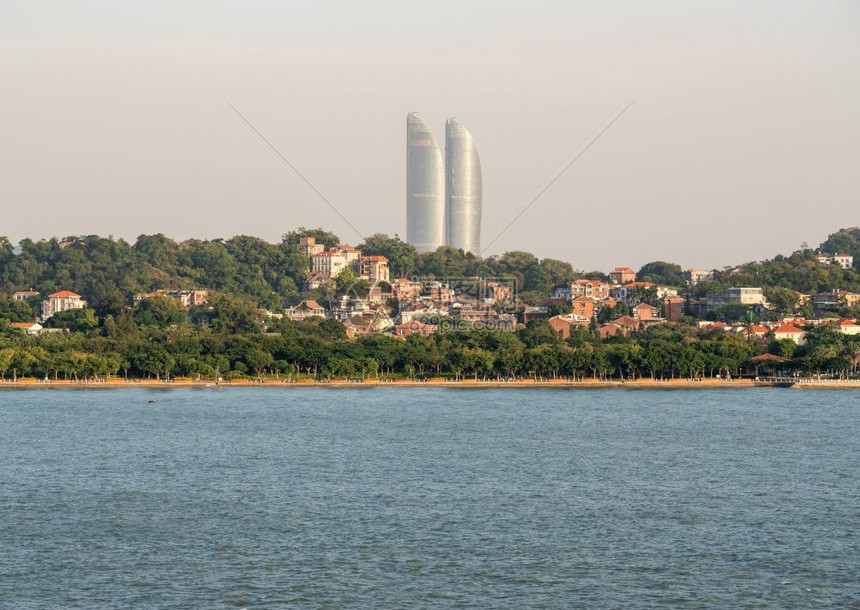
<point>429,497</point>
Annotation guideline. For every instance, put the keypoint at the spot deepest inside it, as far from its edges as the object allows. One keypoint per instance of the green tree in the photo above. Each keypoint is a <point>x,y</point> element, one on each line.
<point>15,311</point>
<point>160,312</point>
<point>75,320</point>
<point>783,300</point>
<point>661,272</point>
<point>227,314</point>
<point>6,356</point>
<point>320,235</point>
<point>402,257</point>
<point>444,262</point>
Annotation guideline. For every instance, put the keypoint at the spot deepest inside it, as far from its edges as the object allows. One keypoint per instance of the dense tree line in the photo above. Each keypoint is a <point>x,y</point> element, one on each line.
<point>107,272</point>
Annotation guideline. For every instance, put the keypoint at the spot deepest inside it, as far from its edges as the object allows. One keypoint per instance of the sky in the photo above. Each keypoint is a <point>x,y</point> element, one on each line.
<point>743,141</point>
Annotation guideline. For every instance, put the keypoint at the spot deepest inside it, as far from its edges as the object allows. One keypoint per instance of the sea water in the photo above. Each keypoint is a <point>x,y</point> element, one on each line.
<point>412,497</point>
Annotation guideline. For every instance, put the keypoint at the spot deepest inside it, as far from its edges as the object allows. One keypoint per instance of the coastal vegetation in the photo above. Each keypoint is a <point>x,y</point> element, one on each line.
<point>231,336</point>
<point>225,339</point>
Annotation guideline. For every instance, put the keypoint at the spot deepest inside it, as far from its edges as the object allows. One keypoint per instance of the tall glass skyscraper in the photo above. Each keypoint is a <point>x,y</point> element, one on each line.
<point>425,188</point>
<point>463,192</point>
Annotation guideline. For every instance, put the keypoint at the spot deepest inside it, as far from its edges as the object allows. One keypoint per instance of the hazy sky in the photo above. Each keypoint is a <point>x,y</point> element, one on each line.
<point>744,141</point>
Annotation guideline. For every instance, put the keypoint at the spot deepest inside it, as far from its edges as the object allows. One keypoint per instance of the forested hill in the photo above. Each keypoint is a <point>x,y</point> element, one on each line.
<point>108,271</point>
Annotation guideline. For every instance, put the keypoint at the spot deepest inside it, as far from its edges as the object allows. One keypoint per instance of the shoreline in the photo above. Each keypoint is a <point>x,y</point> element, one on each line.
<point>462,384</point>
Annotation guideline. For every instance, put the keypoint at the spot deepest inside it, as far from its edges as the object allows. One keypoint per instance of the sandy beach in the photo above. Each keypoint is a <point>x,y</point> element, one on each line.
<point>30,383</point>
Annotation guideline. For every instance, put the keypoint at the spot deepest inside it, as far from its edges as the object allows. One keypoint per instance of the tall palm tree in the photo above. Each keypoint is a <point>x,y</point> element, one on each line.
<point>749,320</point>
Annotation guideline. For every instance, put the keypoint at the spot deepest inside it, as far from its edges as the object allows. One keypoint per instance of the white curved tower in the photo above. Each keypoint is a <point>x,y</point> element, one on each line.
<point>463,190</point>
<point>425,188</point>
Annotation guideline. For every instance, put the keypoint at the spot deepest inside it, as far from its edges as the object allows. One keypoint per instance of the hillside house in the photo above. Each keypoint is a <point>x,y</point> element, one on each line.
<point>65,300</point>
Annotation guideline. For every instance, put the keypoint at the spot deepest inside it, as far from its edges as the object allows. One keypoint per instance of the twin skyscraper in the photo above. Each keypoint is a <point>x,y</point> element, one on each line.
<point>443,200</point>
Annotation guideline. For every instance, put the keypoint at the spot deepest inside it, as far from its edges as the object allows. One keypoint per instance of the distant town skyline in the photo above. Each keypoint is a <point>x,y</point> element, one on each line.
<point>425,187</point>
<point>463,189</point>
<point>744,140</point>
<point>443,198</point>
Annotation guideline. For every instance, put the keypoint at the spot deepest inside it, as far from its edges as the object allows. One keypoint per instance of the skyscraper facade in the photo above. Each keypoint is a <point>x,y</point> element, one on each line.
<point>463,189</point>
<point>425,188</point>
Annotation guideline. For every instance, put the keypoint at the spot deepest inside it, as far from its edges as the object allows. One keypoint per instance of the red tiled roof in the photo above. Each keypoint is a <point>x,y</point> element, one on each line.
<point>626,321</point>
<point>788,328</point>
<point>415,325</point>
<point>21,324</point>
<point>768,358</point>
<point>308,304</point>
<point>375,258</point>
<point>64,294</point>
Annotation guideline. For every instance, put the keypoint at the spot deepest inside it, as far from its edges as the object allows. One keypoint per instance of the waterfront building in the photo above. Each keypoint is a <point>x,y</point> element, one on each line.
<point>788,330</point>
<point>606,331</point>
<point>673,307</point>
<point>694,276</point>
<point>534,313</point>
<point>463,189</point>
<point>562,324</point>
<point>438,292</point>
<point>415,327</point>
<point>31,328</point>
<point>306,309</point>
<point>330,263</point>
<point>23,295</point>
<point>406,290</point>
<point>186,298</point>
<point>584,306</point>
<point>64,300</point>
<point>622,275</point>
<point>745,295</point>
<point>350,254</point>
<point>644,312</point>
<point>310,247</point>
<point>846,261</point>
<point>834,300</point>
<point>594,289</point>
<point>848,327</point>
<point>425,188</point>
<point>318,280</point>
<point>374,268</point>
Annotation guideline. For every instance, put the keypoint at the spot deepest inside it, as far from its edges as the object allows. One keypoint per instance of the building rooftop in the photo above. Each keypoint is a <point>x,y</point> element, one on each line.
<point>768,358</point>
<point>22,324</point>
<point>64,294</point>
<point>787,327</point>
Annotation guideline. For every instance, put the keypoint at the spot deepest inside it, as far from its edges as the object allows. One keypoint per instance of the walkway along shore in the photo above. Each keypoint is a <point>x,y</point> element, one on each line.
<point>710,384</point>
